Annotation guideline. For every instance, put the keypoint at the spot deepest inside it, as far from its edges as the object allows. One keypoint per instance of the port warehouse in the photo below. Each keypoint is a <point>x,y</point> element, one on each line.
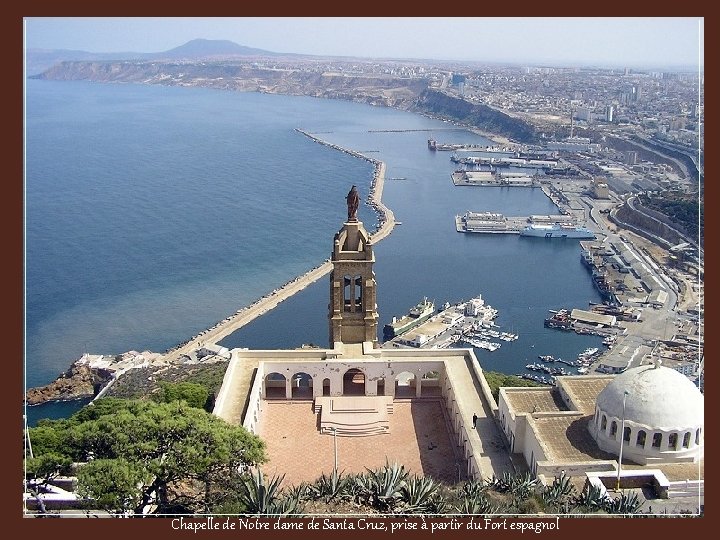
<point>625,271</point>
<point>591,317</point>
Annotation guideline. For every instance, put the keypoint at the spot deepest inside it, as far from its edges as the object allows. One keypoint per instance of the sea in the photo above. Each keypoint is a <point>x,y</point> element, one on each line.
<point>153,212</point>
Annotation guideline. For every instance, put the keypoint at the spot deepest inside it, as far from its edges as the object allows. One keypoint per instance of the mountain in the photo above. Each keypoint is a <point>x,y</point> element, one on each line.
<point>208,48</point>
<point>38,60</point>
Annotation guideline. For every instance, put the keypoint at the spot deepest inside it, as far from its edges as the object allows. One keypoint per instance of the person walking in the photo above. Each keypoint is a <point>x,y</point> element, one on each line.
<point>475,417</point>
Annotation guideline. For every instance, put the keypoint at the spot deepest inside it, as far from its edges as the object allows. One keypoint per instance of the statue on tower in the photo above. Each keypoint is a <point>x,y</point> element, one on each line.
<point>353,201</point>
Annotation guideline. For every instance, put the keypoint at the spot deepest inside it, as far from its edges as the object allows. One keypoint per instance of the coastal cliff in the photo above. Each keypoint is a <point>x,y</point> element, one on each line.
<point>476,114</point>
<point>375,90</point>
<point>80,381</point>
<point>403,93</point>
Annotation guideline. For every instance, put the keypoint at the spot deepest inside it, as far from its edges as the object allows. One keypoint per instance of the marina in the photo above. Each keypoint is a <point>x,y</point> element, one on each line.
<point>468,322</point>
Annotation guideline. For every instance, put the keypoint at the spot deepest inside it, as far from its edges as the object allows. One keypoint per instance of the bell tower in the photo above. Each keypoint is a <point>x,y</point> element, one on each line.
<point>352,311</point>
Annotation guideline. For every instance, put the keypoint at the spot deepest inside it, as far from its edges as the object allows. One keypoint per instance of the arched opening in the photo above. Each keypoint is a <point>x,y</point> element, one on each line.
<point>381,387</point>
<point>354,383</point>
<point>657,440</point>
<point>275,386</point>
<point>672,441</point>
<point>302,386</point>
<point>431,384</point>
<point>603,424</point>
<point>352,293</point>
<point>326,386</point>
<point>613,429</point>
<point>405,384</point>
<point>697,436</point>
<point>641,436</point>
<point>686,440</point>
<point>626,434</point>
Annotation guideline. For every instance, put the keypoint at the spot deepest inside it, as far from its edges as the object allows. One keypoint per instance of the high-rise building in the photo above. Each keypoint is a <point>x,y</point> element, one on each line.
<point>609,111</point>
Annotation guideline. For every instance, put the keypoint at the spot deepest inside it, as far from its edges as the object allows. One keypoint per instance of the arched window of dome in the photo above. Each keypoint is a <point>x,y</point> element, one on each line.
<point>613,428</point>
<point>686,440</point>
<point>672,441</point>
<point>603,424</point>
<point>697,436</point>
<point>641,438</point>
<point>657,440</point>
<point>626,434</point>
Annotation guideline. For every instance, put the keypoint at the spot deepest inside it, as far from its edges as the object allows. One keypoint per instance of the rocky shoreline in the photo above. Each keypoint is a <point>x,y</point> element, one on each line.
<point>80,381</point>
<point>89,376</point>
<point>92,376</point>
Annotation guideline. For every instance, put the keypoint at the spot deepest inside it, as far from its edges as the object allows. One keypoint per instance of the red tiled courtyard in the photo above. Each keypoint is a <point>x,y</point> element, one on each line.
<point>419,439</point>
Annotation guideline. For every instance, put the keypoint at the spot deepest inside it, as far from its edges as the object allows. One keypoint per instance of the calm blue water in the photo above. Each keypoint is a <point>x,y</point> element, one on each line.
<point>153,212</point>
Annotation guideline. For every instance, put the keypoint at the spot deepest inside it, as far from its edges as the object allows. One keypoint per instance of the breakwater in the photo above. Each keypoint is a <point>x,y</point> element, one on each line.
<point>386,218</point>
<point>240,318</point>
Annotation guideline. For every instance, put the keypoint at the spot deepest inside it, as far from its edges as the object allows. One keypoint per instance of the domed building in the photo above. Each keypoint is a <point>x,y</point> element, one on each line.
<point>663,416</point>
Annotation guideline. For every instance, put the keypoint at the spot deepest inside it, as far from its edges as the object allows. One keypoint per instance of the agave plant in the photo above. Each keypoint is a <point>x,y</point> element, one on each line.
<point>559,491</point>
<point>477,504</point>
<point>330,487</point>
<point>591,498</point>
<point>502,484</point>
<point>259,498</point>
<point>419,494</point>
<point>523,485</point>
<point>473,488</point>
<point>290,504</point>
<point>624,504</point>
<point>381,488</point>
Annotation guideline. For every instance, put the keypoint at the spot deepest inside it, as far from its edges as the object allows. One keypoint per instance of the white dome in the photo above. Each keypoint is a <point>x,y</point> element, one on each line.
<point>658,397</point>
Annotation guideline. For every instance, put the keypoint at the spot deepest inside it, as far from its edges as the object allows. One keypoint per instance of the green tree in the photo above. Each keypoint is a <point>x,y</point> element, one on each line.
<point>157,444</point>
<point>496,379</point>
<point>113,484</point>
<point>196,395</point>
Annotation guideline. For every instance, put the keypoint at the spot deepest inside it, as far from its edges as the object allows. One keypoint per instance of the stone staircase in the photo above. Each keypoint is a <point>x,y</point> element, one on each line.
<point>354,416</point>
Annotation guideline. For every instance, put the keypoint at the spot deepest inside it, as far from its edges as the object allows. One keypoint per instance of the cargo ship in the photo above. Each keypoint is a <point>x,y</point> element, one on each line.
<point>557,230</point>
<point>417,315</point>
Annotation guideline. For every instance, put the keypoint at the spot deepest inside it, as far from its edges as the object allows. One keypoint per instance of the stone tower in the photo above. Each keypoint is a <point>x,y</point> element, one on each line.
<point>353,311</point>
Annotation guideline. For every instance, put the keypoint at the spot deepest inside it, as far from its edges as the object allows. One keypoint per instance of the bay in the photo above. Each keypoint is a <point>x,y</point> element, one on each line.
<point>153,212</point>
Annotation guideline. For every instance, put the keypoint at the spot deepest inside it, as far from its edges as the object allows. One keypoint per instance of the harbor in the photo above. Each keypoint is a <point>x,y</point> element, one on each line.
<point>545,373</point>
<point>470,322</point>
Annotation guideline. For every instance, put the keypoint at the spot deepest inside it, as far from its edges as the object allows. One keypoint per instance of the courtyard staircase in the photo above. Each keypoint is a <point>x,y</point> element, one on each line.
<point>354,416</point>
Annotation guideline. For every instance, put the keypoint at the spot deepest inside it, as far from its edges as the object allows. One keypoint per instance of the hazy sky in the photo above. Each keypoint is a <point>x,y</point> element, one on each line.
<point>651,41</point>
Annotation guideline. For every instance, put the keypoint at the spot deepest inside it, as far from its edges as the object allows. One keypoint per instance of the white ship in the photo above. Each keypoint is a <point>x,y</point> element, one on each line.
<point>556,230</point>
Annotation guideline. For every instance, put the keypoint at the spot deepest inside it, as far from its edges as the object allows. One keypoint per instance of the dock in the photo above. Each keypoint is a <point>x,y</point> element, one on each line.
<point>496,223</point>
<point>493,179</point>
<point>468,322</point>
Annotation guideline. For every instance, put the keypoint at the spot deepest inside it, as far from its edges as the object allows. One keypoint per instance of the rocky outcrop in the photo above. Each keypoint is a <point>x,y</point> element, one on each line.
<point>80,381</point>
